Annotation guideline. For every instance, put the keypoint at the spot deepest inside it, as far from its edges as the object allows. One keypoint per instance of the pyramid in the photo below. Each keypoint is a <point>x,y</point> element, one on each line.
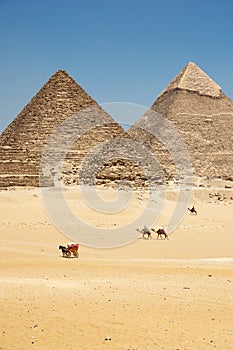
<point>192,78</point>
<point>23,142</point>
<point>203,116</point>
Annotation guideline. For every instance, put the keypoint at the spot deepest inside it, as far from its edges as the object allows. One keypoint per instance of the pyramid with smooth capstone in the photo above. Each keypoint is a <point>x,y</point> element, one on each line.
<point>203,116</point>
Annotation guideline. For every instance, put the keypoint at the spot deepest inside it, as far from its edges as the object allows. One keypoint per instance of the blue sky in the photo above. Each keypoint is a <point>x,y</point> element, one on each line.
<point>118,51</point>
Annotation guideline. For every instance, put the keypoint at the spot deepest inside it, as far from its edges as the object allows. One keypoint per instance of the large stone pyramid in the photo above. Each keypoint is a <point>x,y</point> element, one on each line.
<point>24,140</point>
<point>203,116</point>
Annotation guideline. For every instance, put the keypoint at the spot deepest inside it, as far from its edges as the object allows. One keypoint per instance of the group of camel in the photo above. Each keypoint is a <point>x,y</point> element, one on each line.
<point>146,232</point>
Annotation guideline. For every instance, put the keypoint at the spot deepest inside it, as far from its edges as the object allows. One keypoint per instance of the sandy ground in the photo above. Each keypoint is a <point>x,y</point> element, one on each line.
<point>171,294</point>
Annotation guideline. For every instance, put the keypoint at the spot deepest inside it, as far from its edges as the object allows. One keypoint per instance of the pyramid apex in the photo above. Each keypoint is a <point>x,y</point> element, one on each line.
<point>193,78</point>
<point>190,63</point>
<point>60,73</point>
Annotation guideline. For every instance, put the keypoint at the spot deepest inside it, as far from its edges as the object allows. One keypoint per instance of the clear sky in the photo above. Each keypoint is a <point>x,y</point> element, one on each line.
<point>117,50</point>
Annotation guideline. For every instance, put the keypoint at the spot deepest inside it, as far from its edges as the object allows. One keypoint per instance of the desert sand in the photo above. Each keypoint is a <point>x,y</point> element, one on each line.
<point>171,294</point>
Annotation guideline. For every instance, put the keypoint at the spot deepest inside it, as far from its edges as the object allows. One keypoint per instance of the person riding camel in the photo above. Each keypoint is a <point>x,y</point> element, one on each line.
<point>146,231</point>
<point>193,210</point>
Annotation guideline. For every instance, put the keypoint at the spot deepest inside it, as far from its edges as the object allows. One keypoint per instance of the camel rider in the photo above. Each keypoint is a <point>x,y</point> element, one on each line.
<point>146,230</point>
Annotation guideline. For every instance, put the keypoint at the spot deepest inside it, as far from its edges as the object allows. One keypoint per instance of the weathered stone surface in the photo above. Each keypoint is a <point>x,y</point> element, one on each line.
<point>61,101</point>
<point>203,116</point>
<point>192,102</point>
<point>192,78</point>
<point>23,142</point>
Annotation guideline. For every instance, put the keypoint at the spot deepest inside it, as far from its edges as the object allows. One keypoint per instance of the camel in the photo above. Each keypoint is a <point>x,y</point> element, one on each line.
<point>145,231</point>
<point>161,232</point>
<point>192,211</point>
